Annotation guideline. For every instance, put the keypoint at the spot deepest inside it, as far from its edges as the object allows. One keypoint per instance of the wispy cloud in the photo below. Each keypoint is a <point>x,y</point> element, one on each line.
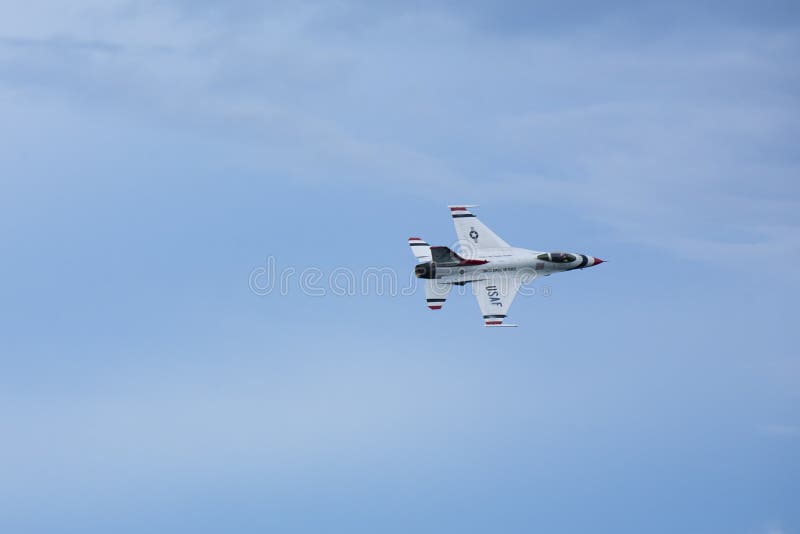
<point>670,134</point>
<point>56,43</point>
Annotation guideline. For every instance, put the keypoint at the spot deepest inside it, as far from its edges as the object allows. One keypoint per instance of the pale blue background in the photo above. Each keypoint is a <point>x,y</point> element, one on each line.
<point>154,153</point>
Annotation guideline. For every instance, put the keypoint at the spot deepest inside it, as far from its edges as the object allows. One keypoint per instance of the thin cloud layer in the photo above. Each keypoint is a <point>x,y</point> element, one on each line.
<point>154,152</point>
<point>681,136</point>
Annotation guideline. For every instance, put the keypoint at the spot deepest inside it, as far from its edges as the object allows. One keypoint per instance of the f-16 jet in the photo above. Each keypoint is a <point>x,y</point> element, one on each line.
<point>495,269</point>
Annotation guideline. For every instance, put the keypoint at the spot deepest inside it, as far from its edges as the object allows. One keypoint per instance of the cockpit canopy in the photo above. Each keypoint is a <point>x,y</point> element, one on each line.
<point>557,257</point>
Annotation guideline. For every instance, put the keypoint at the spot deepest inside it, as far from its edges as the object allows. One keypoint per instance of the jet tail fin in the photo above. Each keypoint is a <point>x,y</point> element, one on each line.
<point>444,255</point>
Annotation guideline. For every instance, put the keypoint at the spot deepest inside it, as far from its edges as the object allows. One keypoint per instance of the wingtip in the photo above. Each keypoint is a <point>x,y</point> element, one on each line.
<point>461,207</point>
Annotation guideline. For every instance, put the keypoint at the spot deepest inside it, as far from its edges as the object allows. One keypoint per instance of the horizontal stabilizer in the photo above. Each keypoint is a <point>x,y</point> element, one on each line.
<point>420,248</point>
<point>436,293</point>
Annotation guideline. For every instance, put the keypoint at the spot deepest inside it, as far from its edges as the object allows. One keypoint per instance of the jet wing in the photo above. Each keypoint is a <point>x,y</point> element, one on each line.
<point>495,296</point>
<point>473,235</point>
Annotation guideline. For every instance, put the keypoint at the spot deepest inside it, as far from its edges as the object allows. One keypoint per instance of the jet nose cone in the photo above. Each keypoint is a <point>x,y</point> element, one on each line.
<point>597,261</point>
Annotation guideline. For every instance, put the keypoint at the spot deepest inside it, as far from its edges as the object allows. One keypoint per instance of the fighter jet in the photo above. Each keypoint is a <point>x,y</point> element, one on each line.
<point>495,269</point>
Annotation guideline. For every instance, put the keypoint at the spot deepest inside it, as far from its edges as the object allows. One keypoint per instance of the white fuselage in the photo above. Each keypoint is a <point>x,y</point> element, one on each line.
<point>513,261</point>
<point>495,270</point>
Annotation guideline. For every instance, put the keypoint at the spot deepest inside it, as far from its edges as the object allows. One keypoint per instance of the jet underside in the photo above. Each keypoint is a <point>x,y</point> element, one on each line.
<point>495,269</point>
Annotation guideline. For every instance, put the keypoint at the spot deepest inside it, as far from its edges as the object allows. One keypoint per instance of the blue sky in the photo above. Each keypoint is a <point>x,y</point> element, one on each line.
<point>154,153</point>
